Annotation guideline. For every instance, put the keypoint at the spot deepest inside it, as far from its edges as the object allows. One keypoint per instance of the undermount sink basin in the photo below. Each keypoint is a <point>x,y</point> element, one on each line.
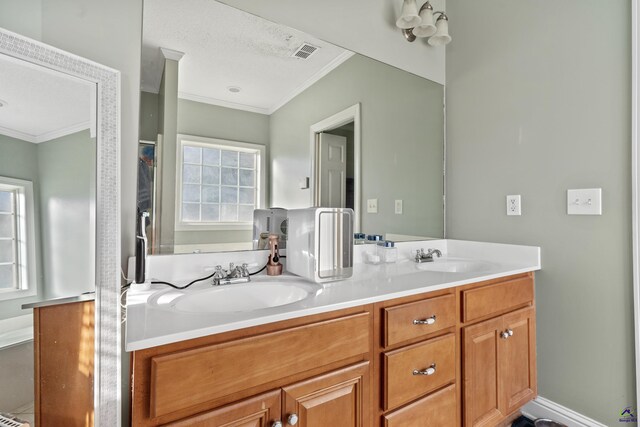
<point>241,297</point>
<point>455,266</point>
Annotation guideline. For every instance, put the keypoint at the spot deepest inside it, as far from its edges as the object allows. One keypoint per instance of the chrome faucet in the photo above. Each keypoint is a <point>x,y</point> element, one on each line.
<point>421,256</point>
<point>235,274</point>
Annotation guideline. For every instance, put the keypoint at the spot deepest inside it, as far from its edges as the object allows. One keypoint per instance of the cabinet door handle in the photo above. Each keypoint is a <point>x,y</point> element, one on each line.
<point>293,419</point>
<point>277,424</point>
<point>428,321</point>
<point>506,334</point>
<point>429,371</point>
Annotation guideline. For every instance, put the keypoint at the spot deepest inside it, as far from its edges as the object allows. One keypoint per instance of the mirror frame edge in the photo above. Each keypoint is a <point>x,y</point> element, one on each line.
<point>107,367</point>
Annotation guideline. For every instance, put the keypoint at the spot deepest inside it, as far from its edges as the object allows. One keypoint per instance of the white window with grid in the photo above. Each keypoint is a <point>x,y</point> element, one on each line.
<point>219,183</point>
<point>17,243</point>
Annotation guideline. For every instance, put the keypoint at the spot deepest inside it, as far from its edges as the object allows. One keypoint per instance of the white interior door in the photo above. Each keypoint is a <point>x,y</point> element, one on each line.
<point>332,168</point>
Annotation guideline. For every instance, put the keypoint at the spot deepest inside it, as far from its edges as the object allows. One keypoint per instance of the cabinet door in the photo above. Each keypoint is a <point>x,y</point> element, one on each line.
<point>337,399</point>
<point>518,360</point>
<point>258,411</point>
<point>481,358</point>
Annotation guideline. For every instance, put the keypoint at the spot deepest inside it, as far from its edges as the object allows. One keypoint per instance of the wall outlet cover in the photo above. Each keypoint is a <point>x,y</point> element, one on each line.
<point>587,201</point>
<point>372,205</point>
<point>514,205</point>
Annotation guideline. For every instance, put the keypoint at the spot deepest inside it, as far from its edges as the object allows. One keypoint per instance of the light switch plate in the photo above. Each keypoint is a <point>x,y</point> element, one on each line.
<point>398,207</point>
<point>587,201</point>
<point>372,205</point>
<point>304,183</point>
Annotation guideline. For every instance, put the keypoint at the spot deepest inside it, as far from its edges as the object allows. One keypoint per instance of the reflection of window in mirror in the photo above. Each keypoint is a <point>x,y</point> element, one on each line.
<point>17,243</point>
<point>219,183</point>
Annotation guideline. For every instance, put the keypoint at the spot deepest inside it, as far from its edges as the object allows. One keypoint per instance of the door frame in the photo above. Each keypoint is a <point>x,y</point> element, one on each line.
<point>351,114</point>
<point>635,183</point>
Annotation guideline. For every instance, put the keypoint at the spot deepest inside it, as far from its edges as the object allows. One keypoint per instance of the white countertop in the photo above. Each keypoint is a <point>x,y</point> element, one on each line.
<point>150,326</point>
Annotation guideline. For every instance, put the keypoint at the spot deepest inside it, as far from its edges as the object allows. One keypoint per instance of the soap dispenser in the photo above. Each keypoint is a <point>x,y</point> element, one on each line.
<point>274,267</point>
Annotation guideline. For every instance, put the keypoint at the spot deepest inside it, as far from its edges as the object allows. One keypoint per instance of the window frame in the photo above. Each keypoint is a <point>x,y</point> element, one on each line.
<point>198,141</point>
<point>26,247</point>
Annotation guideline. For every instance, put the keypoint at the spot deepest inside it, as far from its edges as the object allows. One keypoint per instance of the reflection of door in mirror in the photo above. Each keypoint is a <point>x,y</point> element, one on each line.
<point>332,171</point>
<point>47,209</point>
<point>334,163</point>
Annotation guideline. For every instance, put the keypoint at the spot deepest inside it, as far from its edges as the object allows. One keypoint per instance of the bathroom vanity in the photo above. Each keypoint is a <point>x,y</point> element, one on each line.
<point>396,345</point>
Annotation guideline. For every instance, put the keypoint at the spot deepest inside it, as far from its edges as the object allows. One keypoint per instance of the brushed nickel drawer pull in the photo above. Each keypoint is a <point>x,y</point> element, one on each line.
<point>429,371</point>
<point>428,321</point>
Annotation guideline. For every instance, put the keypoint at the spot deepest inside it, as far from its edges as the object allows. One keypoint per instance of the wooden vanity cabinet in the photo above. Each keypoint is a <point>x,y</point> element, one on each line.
<point>456,357</point>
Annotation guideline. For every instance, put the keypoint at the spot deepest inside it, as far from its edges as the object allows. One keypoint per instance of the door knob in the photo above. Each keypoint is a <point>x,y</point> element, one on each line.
<point>292,420</point>
<point>277,424</point>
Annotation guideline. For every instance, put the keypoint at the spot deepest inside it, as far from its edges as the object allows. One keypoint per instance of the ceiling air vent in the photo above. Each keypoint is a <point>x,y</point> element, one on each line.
<point>305,51</point>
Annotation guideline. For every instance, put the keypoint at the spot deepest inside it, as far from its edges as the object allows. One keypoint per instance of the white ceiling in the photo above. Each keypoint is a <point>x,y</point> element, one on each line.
<point>42,104</point>
<point>226,47</point>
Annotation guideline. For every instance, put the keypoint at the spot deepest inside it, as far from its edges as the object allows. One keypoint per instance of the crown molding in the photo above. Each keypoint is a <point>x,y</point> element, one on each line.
<point>47,136</point>
<point>12,133</point>
<point>222,103</point>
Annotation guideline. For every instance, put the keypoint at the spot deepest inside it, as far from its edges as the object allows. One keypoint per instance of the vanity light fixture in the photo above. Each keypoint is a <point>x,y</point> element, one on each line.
<point>419,23</point>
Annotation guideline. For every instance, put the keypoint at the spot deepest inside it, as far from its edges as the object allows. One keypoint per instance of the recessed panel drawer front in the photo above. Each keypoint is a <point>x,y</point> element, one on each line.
<point>436,410</point>
<point>496,299</point>
<point>192,377</point>
<point>417,319</point>
<point>413,371</point>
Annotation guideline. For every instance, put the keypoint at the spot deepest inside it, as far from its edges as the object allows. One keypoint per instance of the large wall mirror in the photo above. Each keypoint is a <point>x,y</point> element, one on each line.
<point>59,217</point>
<point>240,116</point>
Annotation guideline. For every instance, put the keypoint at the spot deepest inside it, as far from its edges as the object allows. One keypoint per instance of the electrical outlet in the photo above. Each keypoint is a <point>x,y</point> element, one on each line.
<point>514,205</point>
<point>398,208</point>
<point>372,205</point>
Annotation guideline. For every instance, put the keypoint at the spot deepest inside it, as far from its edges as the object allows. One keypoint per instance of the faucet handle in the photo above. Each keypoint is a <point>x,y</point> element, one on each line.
<point>218,274</point>
<point>245,270</point>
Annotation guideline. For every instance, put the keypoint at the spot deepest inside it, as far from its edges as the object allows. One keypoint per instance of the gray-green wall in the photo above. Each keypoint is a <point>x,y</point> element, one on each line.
<point>402,144</point>
<point>149,116</point>
<point>67,182</point>
<point>538,102</point>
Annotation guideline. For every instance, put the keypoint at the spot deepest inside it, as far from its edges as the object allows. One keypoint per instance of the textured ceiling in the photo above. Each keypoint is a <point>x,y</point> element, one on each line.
<point>42,104</point>
<point>226,47</point>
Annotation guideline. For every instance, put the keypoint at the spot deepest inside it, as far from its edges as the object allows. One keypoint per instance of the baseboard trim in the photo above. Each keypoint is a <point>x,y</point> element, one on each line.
<point>545,408</point>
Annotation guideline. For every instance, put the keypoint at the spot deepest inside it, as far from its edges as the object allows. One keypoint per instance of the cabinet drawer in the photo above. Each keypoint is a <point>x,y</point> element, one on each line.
<point>496,299</point>
<point>399,323</point>
<point>192,377</point>
<point>402,385</point>
<point>436,410</point>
